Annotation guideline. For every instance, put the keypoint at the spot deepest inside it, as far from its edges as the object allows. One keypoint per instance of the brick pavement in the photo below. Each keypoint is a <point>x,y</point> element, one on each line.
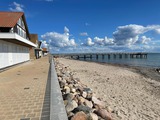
<point>23,91</point>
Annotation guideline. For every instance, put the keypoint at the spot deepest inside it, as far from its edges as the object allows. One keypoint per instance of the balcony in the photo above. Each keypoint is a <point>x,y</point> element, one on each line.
<point>15,38</point>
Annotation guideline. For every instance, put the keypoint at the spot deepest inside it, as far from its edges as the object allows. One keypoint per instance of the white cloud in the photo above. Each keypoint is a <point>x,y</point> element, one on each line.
<point>158,31</point>
<point>145,40</point>
<point>66,30</point>
<point>103,41</point>
<point>44,44</point>
<point>125,38</point>
<point>108,41</point>
<point>129,34</point>
<point>99,41</point>
<point>88,42</point>
<point>153,27</point>
<point>59,40</point>
<point>16,7</point>
<point>83,34</point>
<point>87,24</point>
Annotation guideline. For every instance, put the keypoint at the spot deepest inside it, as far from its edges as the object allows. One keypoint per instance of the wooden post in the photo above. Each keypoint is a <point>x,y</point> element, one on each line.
<point>126,55</point>
<point>109,56</point>
<point>96,56</point>
<point>102,56</point>
<point>120,56</point>
<point>90,56</point>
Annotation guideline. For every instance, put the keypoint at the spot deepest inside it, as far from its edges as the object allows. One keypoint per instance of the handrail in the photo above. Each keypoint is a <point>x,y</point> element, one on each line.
<point>57,108</point>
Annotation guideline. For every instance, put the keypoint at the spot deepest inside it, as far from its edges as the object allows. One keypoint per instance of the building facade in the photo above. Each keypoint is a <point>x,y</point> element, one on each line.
<point>14,39</point>
<point>35,53</point>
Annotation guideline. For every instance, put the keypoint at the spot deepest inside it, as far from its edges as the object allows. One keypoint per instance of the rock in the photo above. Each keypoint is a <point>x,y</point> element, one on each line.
<point>92,116</point>
<point>67,74</point>
<point>70,86</point>
<point>80,89</point>
<point>66,78</point>
<point>67,89</point>
<point>76,98</point>
<point>65,102</point>
<point>88,90</point>
<point>62,83</point>
<point>84,94</point>
<point>88,103</point>
<point>71,105</point>
<point>89,96</point>
<point>59,78</point>
<point>68,96</point>
<point>104,114</point>
<point>81,100</point>
<point>83,108</point>
<point>75,93</point>
<point>98,102</point>
<point>89,93</point>
<point>70,115</point>
<point>73,90</point>
<point>79,116</point>
<point>59,74</point>
<point>109,109</point>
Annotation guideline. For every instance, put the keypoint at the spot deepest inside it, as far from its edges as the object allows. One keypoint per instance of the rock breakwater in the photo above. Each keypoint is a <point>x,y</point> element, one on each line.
<point>79,100</point>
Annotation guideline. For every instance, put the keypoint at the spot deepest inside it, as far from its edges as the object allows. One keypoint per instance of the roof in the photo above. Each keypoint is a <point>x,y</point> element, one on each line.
<point>45,49</point>
<point>9,19</point>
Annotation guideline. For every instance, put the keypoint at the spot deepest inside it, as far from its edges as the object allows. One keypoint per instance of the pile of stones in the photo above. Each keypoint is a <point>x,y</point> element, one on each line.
<point>79,100</point>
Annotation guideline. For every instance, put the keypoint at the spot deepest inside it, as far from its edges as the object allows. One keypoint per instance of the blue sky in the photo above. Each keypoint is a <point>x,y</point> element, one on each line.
<point>92,25</point>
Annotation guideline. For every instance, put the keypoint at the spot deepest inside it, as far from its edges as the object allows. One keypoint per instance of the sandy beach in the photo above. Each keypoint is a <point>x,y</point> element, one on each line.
<point>130,93</point>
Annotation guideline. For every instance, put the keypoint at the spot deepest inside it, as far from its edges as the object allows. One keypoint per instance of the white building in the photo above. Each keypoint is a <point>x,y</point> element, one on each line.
<point>14,39</point>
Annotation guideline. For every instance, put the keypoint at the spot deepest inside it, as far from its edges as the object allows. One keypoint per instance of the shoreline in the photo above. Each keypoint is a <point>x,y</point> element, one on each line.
<point>131,92</point>
<point>148,72</point>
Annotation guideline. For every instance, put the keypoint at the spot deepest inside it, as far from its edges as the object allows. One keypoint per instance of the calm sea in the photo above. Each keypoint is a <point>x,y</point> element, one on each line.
<point>152,60</point>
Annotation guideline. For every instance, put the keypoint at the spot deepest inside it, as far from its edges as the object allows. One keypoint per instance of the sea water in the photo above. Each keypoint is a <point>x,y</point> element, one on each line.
<point>152,60</point>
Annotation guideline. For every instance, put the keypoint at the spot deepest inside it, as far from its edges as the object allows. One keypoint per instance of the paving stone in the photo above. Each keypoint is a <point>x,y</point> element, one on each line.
<point>31,115</point>
<point>25,119</point>
<point>20,103</point>
<point>36,118</point>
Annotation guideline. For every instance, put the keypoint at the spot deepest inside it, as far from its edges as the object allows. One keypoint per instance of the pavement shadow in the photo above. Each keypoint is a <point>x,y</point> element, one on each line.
<point>46,104</point>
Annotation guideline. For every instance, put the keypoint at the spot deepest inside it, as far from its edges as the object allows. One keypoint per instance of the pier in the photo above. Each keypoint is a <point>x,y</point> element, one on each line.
<point>103,55</point>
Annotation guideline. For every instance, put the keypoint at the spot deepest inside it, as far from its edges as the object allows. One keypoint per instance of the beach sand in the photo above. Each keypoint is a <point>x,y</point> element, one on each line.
<point>131,93</point>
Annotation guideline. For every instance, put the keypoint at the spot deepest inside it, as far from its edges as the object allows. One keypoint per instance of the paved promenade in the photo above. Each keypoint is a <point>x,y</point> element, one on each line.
<point>24,91</point>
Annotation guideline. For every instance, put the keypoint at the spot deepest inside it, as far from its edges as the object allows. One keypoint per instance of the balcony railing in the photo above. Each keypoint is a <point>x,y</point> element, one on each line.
<point>15,36</point>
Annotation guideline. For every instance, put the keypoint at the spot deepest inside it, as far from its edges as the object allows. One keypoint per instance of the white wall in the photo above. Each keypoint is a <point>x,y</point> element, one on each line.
<point>11,54</point>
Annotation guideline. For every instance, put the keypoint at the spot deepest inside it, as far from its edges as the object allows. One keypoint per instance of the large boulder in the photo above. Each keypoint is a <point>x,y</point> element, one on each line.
<point>71,105</point>
<point>79,116</point>
<point>98,102</point>
<point>104,114</point>
<point>83,108</point>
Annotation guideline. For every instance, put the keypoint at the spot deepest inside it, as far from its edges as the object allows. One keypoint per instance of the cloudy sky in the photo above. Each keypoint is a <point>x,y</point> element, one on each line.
<point>92,25</point>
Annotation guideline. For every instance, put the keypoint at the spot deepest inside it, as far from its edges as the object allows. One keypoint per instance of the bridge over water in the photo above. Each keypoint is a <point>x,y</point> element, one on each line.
<point>114,55</point>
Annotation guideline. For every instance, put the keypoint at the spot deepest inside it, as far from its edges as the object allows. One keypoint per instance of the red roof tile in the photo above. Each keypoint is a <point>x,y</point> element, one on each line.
<point>9,19</point>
